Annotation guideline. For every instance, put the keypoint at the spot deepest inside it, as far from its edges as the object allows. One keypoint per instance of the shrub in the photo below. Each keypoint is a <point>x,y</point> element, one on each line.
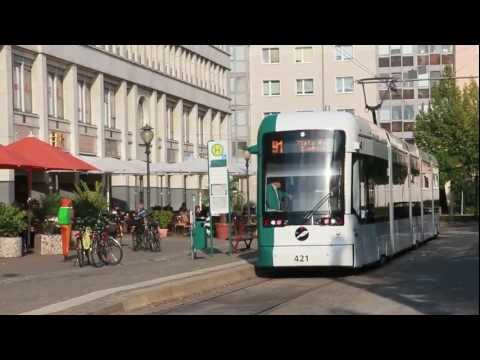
<point>163,218</point>
<point>46,212</point>
<point>89,203</point>
<point>13,221</point>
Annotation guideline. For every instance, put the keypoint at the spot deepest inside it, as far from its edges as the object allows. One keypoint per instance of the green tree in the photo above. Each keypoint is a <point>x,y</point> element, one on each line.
<point>449,131</point>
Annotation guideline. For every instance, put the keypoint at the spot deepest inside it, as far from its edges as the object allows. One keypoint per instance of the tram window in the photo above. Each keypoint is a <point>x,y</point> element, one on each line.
<point>369,201</point>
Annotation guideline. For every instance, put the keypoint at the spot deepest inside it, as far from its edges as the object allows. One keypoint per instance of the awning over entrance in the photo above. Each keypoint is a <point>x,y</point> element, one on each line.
<point>114,166</point>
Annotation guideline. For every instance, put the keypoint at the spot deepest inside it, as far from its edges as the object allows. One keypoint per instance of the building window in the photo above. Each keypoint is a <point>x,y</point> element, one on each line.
<point>345,84</point>
<point>271,56</point>
<point>396,112</point>
<point>447,59</point>
<point>396,61</point>
<point>22,87</point>
<point>395,49</point>
<point>84,102</point>
<point>408,112</point>
<point>422,49</point>
<point>384,62</point>
<point>303,55</point>
<point>407,60</point>
<point>385,114</point>
<point>305,87</point>
<point>434,59</point>
<point>408,93</point>
<point>343,52</point>
<point>351,111</point>
<point>422,60</point>
<point>109,108</point>
<point>200,130</point>
<point>435,75</point>
<point>55,95</point>
<point>384,94</point>
<point>387,126</point>
<point>271,87</point>
<point>423,93</point>
<point>409,126</point>
<point>396,126</point>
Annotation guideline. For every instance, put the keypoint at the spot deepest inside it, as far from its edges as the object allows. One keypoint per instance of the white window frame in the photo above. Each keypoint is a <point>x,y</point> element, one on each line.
<point>56,75</point>
<point>303,87</point>
<point>21,84</point>
<point>343,85</point>
<point>302,49</point>
<point>186,126</point>
<point>83,84</point>
<point>343,58</point>
<point>109,91</point>
<point>270,56</point>
<point>270,88</point>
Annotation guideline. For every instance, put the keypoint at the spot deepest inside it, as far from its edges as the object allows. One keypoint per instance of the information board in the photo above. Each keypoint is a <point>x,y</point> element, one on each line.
<point>218,177</point>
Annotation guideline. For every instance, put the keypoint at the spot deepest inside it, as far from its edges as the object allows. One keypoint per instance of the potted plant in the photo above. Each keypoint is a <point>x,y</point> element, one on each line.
<point>163,218</point>
<point>13,223</point>
<point>47,238</point>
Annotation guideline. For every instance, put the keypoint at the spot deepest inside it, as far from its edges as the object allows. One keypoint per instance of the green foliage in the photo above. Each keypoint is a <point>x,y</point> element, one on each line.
<point>89,203</point>
<point>237,198</point>
<point>13,221</point>
<point>449,131</point>
<point>45,212</point>
<point>163,218</point>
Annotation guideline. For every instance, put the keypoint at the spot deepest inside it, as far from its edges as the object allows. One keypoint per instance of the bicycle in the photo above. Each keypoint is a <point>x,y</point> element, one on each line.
<point>106,250</point>
<point>83,241</point>
<point>145,233</point>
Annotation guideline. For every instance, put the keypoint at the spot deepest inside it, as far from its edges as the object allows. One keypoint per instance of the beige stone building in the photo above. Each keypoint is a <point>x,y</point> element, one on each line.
<point>91,100</point>
<point>466,63</point>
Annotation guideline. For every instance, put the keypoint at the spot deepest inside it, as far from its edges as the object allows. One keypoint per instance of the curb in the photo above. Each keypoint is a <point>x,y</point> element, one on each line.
<point>177,289</point>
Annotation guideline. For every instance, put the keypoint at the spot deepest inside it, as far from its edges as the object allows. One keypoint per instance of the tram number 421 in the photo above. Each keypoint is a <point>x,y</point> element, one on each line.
<point>301,258</point>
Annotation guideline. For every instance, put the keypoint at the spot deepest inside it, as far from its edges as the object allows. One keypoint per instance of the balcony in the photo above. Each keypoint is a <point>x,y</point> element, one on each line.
<point>172,151</point>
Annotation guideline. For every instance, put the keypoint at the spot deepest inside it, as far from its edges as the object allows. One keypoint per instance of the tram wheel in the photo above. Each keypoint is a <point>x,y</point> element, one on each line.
<point>264,272</point>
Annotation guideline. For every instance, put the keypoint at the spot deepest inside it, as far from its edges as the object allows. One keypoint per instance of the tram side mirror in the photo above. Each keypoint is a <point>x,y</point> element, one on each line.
<point>253,149</point>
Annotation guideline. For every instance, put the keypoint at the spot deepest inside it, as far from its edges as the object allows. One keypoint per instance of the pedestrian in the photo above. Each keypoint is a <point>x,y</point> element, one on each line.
<point>65,217</point>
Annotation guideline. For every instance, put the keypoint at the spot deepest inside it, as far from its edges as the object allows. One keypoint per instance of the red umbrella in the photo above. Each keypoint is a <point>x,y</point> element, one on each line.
<point>37,153</point>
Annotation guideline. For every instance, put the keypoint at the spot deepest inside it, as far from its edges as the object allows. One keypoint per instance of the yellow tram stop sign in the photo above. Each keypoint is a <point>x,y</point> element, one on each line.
<point>217,150</point>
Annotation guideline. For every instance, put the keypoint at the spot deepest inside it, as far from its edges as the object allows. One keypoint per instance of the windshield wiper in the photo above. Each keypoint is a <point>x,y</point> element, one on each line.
<point>320,202</point>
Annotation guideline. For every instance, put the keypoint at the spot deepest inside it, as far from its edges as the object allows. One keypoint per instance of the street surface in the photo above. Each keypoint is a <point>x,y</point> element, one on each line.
<point>440,277</point>
<point>34,281</point>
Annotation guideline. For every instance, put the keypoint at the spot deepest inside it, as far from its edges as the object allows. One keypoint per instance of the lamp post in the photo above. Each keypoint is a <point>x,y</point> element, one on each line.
<point>246,156</point>
<point>147,137</point>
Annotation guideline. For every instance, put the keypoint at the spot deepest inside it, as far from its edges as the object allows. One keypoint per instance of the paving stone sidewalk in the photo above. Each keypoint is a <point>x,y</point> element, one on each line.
<point>34,281</point>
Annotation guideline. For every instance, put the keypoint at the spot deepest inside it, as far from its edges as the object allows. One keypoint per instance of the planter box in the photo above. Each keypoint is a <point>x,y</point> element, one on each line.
<point>48,244</point>
<point>10,247</point>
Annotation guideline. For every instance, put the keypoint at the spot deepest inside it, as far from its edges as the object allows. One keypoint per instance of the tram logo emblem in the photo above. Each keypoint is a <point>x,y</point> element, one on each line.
<point>301,233</point>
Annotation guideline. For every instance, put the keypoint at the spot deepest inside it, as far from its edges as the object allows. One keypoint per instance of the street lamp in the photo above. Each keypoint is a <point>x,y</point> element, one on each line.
<point>147,137</point>
<point>246,156</point>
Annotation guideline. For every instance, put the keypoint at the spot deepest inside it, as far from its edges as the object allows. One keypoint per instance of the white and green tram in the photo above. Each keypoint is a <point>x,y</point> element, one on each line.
<point>334,189</point>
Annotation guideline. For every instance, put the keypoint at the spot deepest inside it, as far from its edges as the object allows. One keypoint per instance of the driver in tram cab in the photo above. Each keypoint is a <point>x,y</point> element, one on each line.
<point>276,197</point>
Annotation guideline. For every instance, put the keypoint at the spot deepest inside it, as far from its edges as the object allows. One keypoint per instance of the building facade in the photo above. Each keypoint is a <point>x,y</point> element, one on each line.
<point>92,100</point>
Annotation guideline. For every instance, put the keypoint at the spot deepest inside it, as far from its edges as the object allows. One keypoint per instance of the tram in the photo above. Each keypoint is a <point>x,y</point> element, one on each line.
<point>335,190</point>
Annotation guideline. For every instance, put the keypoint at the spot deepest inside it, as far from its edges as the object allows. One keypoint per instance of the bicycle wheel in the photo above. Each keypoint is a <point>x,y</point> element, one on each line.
<point>113,252</point>
<point>80,257</point>
<point>135,241</point>
<point>155,244</point>
<point>97,253</point>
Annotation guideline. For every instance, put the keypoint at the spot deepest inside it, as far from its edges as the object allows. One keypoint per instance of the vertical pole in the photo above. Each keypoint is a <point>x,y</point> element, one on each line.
<point>247,161</point>
<point>29,210</point>
<point>461,205</point>
<point>147,151</point>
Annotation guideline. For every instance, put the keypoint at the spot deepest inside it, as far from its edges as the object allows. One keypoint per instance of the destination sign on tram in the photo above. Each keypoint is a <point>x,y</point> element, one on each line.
<point>299,146</point>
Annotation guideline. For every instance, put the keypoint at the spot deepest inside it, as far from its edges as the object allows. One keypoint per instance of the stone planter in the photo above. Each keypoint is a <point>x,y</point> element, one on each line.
<point>48,244</point>
<point>10,247</point>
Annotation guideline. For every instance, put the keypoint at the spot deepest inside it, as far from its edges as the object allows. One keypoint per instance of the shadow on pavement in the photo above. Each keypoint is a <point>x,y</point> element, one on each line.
<point>440,277</point>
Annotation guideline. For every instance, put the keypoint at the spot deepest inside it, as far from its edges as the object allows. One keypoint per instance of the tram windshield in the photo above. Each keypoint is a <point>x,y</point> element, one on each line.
<point>300,168</point>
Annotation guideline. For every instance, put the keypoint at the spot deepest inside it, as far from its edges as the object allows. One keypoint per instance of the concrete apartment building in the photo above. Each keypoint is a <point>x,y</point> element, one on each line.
<point>91,100</point>
<point>291,78</point>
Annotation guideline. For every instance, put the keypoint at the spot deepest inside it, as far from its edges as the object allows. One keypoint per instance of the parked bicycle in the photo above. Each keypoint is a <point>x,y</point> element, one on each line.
<point>145,234</point>
<point>104,249</point>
